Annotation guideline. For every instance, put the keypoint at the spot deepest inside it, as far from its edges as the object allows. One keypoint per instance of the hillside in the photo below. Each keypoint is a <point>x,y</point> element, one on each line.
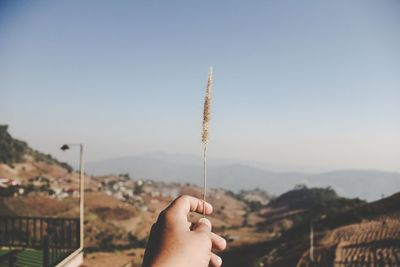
<point>366,235</point>
<point>260,230</point>
<point>317,201</point>
<point>16,151</point>
<point>24,170</point>
<point>119,211</point>
<point>301,205</point>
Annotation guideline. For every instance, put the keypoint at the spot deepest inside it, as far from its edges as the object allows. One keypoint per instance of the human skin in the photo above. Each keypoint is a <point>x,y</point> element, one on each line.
<point>175,242</point>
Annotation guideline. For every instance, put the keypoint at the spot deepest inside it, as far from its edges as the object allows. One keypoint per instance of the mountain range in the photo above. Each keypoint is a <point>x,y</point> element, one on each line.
<point>365,184</point>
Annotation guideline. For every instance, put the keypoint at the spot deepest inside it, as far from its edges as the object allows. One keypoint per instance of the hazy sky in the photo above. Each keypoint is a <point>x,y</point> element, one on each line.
<point>299,85</point>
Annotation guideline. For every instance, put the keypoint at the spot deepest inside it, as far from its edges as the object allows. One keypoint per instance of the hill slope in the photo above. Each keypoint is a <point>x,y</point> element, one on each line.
<point>367,235</point>
<point>16,151</point>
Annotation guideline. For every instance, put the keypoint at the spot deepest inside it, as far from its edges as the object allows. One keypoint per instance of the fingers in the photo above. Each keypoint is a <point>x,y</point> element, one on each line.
<point>215,260</point>
<point>185,204</point>
<point>218,243</point>
<point>203,225</point>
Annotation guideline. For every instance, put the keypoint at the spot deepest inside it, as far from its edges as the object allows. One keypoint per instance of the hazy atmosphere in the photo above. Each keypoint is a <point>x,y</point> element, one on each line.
<point>299,86</point>
<point>120,120</point>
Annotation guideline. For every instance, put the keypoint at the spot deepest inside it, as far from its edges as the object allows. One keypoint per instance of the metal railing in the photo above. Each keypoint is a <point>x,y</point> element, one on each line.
<point>55,237</point>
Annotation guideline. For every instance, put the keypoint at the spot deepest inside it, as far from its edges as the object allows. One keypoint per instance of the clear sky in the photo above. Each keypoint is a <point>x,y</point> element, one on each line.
<point>299,85</point>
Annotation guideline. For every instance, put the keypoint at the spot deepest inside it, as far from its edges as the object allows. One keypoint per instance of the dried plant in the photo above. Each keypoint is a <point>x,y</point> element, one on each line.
<point>204,137</point>
<point>207,108</point>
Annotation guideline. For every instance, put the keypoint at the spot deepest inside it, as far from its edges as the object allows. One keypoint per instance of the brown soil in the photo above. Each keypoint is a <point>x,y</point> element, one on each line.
<point>131,258</point>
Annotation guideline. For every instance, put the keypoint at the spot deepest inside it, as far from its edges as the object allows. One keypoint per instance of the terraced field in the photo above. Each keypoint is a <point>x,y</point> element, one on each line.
<point>369,243</point>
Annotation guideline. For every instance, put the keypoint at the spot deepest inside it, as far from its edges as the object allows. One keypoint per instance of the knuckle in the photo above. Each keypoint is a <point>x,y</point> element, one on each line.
<point>183,198</point>
<point>170,217</point>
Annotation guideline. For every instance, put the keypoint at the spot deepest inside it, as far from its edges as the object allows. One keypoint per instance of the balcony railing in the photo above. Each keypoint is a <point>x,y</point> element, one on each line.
<point>53,238</point>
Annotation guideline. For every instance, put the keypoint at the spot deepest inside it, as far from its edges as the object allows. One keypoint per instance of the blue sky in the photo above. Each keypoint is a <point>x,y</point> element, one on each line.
<point>299,85</point>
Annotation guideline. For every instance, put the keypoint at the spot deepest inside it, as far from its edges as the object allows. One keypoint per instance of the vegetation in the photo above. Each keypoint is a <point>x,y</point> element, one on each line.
<point>13,151</point>
<point>366,211</point>
<point>317,201</point>
<point>255,199</point>
<point>351,232</point>
<point>319,205</point>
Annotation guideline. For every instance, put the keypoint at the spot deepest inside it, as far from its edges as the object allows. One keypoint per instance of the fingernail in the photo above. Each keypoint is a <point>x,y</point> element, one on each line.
<point>205,221</point>
<point>219,260</point>
<point>224,240</point>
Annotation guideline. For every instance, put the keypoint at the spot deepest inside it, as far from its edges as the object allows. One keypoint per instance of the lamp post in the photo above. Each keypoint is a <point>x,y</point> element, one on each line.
<point>312,222</point>
<point>311,242</point>
<point>81,190</point>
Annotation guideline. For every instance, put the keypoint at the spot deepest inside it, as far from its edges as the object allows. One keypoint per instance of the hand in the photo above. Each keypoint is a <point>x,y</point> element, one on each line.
<point>175,242</point>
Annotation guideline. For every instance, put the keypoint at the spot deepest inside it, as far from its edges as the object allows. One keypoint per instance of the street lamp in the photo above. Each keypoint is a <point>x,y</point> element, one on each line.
<point>320,217</point>
<point>81,189</point>
<point>311,242</point>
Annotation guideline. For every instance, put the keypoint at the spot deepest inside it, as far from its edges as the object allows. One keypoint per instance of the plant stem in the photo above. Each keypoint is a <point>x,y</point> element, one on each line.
<point>204,179</point>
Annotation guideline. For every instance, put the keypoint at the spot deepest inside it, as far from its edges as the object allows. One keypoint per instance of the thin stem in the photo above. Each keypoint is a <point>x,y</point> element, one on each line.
<point>204,179</point>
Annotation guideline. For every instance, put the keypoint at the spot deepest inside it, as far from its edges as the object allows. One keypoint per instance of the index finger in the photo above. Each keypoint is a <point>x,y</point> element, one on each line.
<point>185,204</point>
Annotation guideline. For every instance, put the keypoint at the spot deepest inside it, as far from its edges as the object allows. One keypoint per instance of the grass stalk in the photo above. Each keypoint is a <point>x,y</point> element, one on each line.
<point>205,139</point>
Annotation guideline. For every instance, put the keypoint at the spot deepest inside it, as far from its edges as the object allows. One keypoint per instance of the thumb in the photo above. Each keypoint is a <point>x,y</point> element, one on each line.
<point>202,225</point>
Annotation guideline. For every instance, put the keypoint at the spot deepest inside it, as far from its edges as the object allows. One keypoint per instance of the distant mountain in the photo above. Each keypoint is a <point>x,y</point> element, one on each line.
<point>365,184</point>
